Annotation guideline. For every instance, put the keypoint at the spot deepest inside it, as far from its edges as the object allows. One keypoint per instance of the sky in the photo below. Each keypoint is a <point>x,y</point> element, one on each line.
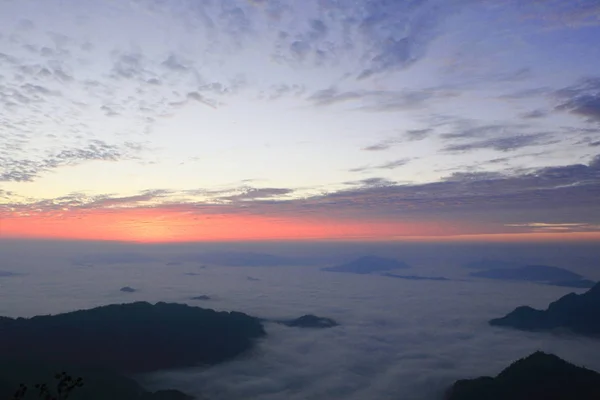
<point>266,120</point>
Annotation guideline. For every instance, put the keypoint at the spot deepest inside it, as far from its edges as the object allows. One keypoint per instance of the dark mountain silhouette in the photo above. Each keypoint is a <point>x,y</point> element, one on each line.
<point>174,263</point>
<point>528,273</point>
<point>540,376</point>
<point>6,274</point>
<point>577,283</point>
<point>416,277</point>
<point>240,259</point>
<point>490,264</point>
<point>536,273</point>
<point>367,265</point>
<point>130,338</point>
<point>201,297</point>
<point>112,258</point>
<point>310,321</point>
<point>578,313</point>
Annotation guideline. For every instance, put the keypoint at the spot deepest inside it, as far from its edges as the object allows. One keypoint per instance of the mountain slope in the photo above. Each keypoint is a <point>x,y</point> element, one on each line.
<point>578,313</point>
<point>540,376</point>
<point>134,337</point>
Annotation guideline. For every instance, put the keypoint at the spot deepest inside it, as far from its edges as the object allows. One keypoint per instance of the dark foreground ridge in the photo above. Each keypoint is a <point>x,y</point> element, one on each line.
<point>98,384</point>
<point>103,343</point>
<point>132,338</point>
<point>367,265</point>
<point>540,376</point>
<point>310,321</point>
<point>549,275</point>
<point>578,313</point>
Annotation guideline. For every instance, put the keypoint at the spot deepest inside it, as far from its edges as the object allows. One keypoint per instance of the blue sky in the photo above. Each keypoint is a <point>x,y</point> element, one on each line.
<point>276,107</point>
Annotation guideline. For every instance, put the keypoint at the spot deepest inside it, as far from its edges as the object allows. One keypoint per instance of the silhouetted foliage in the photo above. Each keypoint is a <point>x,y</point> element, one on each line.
<point>65,385</point>
<point>99,385</point>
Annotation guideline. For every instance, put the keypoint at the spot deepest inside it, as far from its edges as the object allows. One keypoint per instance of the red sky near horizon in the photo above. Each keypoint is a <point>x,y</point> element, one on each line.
<point>158,225</point>
<point>164,225</point>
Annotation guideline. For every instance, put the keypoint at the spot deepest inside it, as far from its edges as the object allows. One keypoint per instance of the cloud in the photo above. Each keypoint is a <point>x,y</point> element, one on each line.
<point>398,33</point>
<point>394,53</point>
<point>326,97</point>
<point>534,114</point>
<point>280,90</point>
<point>54,87</point>
<point>410,135</point>
<point>488,200</point>
<point>108,201</point>
<point>128,65</point>
<point>526,93</point>
<point>257,193</point>
<point>383,36</point>
<point>513,76</point>
<point>112,258</point>
<point>509,143</point>
<point>386,165</point>
<point>371,182</point>
<point>582,99</point>
<point>300,49</point>
<point>567,192</point>
<point>463,135</point>
<point>174,62</point>
<point>384,145</point>
<point>82,201</point>
<point>587,106</point>
<point>468,129</point>
<point>564,15</point>
<point>25,170</point>
<point>553,227</point>
<point>414,353</point>
<point>418,134</point>
<point>462,177</point>
<point>201,99</point>
<point>379,100</point>
<point>393,164</point>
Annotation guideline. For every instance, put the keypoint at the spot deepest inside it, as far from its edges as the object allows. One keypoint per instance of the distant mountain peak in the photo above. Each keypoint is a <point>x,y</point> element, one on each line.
<point>546,274</point>
<point>368,264</point>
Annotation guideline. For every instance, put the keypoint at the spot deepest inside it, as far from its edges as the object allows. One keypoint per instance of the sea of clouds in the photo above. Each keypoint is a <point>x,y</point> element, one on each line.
<point>397,339</point>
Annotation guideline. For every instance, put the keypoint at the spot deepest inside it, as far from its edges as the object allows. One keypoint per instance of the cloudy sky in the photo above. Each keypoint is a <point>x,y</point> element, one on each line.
<point>196,120</point>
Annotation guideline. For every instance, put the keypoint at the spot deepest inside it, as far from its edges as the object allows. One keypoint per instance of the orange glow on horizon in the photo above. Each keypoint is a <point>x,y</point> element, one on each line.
<point>160,225</point>
<point>156,225</point>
